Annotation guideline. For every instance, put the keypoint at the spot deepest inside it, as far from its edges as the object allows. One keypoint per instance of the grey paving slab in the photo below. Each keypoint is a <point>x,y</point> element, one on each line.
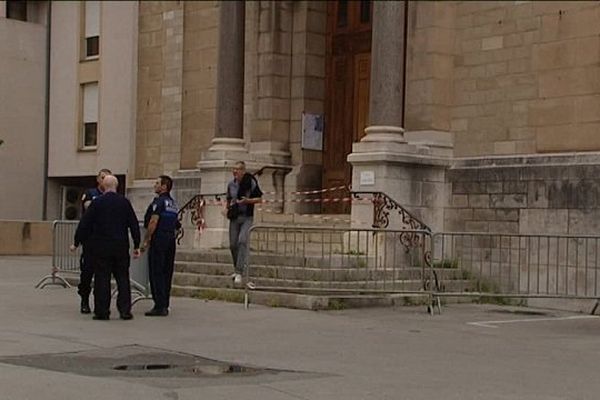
<point>386,353</point>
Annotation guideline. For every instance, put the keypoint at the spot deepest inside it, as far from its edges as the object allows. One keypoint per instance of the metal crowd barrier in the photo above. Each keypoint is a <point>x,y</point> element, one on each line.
<point>65,262</point>
<point>520,266</point>
<point>334,261</point>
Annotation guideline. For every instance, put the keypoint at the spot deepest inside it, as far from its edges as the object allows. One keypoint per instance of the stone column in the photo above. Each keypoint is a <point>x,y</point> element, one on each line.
<point>229,118</point>
<point>228,145</point>
<point>386,103</point>
<point>383,161</point>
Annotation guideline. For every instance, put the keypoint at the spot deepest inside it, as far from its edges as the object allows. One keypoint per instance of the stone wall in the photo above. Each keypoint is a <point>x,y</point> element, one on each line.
<point>430,65</point>
<point>160,73</point>
<point>526,75</point>
<point>526,195</point>
<point>201,21</point>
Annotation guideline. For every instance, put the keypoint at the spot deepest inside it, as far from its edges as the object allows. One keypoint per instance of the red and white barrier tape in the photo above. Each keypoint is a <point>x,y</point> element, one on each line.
<point>318,200</point>
<point>308,192</point>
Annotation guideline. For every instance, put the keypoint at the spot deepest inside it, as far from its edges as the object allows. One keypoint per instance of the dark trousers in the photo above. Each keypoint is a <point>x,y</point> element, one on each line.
<point>115,263</point>
<point>87,273</point>
<point>161,260</point>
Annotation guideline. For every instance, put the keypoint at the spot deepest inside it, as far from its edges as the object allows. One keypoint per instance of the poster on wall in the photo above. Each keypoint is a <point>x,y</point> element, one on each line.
<point>312,131</point>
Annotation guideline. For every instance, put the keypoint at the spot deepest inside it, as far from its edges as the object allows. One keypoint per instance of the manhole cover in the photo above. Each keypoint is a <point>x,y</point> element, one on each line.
<point>138,362</point>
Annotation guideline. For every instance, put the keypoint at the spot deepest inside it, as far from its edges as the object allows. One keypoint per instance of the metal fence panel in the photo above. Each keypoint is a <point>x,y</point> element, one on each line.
<point>542,266</point>
<point>329,260</point>
<point>65,262</point>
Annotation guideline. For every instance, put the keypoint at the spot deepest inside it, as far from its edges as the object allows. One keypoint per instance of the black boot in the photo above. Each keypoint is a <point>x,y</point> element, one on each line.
<point>85,305</point>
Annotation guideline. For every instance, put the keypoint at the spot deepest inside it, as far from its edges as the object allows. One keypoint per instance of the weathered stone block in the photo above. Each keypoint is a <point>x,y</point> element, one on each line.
<point>508,200</point>
<point>476,226</point>
<point>536,194</point>
<point>515,187</point>
<point>584,222</point>
<point>504,227</point>
<point>460,200</point>
<point>544,221</point>
<point>484,214</point>
<point>507,214</point>
<point>493,187</point>
<point>479,200</point>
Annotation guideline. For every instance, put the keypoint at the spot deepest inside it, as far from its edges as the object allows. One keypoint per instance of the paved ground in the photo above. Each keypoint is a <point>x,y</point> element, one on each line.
<point>469,352</point>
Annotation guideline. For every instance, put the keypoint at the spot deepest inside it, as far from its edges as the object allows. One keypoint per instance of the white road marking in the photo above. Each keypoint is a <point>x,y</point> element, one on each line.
<point>492,324</point>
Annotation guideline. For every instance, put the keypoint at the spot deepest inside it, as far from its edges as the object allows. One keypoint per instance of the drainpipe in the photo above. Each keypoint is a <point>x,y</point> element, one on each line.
<point>47,111</point>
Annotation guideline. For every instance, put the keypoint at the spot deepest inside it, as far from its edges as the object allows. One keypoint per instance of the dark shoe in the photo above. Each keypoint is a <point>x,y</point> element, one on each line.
<point>85,306</point>
<point>126,316</point>
<point>101,317</point>
<point>157,312</point>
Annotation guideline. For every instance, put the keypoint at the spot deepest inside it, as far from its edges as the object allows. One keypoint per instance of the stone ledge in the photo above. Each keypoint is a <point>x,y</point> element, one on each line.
<point>586,158</point>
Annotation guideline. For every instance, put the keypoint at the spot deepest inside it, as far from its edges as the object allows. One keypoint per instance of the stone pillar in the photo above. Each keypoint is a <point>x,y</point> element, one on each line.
<point>228,144</point>
<point>229,122</point>
<point>386,103</point>
<point>383,161</point>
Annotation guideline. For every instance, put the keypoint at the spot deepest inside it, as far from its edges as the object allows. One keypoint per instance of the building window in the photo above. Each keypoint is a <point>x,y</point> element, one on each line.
<point>89,129</point>
<point>16,9</point>
<point>92,29</point>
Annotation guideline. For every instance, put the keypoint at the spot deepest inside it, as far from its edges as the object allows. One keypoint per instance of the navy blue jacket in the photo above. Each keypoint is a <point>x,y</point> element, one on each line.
<point>89,195</point>
<point>166,208</point>
<point>106,222</point>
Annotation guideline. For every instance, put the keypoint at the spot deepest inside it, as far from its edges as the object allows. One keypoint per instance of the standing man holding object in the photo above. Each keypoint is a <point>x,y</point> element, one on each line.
<point>104,229</point>
<point>161,225</point>
<point>242,193</point>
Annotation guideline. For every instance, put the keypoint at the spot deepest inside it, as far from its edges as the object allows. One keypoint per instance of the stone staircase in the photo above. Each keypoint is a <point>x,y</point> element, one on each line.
<point>309,281</point>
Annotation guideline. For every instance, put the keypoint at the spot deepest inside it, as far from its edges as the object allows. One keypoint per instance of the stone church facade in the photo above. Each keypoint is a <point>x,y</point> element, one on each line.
<point>475,116</point>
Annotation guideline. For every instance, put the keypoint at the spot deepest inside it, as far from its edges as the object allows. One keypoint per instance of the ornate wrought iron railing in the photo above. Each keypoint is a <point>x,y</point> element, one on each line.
<point>383,209</point>
<point>195,208</point>
<point>384,205</point>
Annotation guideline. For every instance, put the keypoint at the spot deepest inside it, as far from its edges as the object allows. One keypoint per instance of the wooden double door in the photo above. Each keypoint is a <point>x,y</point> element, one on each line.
<point>347,97</point>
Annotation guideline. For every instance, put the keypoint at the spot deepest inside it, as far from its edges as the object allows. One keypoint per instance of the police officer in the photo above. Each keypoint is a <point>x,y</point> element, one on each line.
<point>161,225</point>
<point>103,229</point>
<point>85,263</point>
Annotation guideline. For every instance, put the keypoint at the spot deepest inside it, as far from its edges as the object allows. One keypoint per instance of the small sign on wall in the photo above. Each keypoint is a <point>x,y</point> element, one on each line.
<point>312,131</point>
<point>367,178</point>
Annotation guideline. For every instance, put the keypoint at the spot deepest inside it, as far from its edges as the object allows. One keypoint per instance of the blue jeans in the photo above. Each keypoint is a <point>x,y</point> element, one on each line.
<point>239,232</point>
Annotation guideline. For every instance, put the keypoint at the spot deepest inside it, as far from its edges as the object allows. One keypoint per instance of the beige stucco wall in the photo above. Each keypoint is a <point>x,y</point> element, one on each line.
<point>116,71</point>
<point>22,113</point>
<point>526,77</point>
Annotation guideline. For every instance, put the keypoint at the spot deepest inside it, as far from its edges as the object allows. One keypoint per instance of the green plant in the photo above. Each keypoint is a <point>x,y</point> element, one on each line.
<point>336,304</point>
<point>273,302</point>
<point>212,294</point>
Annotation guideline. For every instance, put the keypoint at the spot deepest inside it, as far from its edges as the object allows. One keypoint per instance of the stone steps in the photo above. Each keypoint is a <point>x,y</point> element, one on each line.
<point>295,279</point>
<point>315,274</point>
<point>300,301</point>
<point>218,281</point>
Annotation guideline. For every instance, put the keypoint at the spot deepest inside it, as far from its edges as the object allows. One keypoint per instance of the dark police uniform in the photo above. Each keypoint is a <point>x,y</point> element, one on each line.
<point>85,263</point>
<point>104,229</point>
<point>161,254</point>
